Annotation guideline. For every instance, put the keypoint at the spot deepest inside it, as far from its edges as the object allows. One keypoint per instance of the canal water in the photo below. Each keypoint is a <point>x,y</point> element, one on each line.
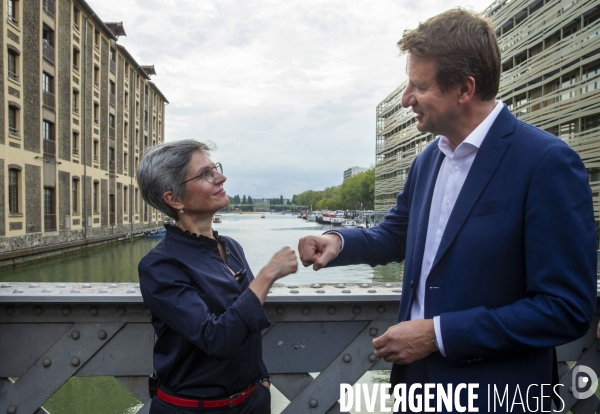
<point>259,237</point>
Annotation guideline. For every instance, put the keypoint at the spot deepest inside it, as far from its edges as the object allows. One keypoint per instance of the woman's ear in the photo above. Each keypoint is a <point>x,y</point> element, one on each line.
<point>172,200</point>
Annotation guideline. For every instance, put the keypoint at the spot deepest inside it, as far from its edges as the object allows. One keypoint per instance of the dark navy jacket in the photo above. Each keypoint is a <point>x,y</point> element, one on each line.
<point>208,324</point>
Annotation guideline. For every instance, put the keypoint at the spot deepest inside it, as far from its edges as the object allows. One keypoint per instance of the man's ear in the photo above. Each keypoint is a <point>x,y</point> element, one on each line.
<point>467,90</point>
<point>172,200</point>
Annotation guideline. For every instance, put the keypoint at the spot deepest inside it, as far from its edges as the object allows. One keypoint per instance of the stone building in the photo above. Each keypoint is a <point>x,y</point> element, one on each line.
<point>77,112</point>
<point>550,79</point>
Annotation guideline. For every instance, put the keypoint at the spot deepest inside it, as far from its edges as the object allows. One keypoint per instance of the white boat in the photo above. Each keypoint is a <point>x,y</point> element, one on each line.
<point>217,219</point>
<point>262,216</point>
<point>349,223</point>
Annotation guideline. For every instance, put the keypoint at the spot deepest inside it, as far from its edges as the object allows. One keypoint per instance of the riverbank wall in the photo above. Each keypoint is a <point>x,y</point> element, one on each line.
<point>37,247</point>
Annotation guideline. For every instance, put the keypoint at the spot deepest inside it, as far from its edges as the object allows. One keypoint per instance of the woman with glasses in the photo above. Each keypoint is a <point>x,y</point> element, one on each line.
<point>206,304</point>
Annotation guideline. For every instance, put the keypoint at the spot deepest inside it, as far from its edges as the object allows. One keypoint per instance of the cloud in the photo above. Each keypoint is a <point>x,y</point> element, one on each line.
<point>287,90</point>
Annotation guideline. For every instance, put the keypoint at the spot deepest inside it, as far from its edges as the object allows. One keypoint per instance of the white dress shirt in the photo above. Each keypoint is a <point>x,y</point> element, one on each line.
<point>451,177</point>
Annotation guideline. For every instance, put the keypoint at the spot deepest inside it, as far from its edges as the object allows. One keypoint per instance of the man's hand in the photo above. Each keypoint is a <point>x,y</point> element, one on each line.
<point>406,342</point>
<point>319,250</point>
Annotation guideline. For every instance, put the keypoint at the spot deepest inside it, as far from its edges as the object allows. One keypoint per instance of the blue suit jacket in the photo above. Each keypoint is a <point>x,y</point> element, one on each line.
<point>515,272</point>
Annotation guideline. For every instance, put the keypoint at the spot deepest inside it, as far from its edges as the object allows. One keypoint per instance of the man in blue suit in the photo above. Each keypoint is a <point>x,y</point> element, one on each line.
<point>495,224</point>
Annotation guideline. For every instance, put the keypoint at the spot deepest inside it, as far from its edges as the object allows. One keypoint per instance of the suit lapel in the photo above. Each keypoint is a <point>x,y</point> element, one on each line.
<point>486,161</point>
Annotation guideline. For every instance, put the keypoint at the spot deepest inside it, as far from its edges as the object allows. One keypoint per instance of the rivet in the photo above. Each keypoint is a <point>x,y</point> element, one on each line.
<point>10,311</point>
<point>314,403</point>
<point>11,409</point>
<point>33,285</point>
<point>112,285</point>
<point>292,287</point>
<point>364,285</point>
<point>47,362</point>
<point>388,285</point>
<point>320,290</point>
<point>397,290</point>
<point>75,335</point>
<point>6,285</point>
<point>120,311</point>
<point>316,286</point>
<point>294,291</point>
<point>93,311</point>
<point>280,310</point>
<point>147,311</point>
<point>341,286</point>
<point>356,310</point>
<point>331,310</point>
<point>347,358</point>
<point>75,362</point>
<point>102,335</point>
<point>130,291</point>
<point>46,291</point>
<point>65,310</point>
<point>86,285</point>
<point>306,310</point>
<point>38,310</point>
<point>346,291</point>
<point>373,331</point>
<point>372,358</point>
<point>380,309</point>
<point>18,291</point>
<point>372,291</point>
<point>75,291</point>
<point>60,286</point>
<point>103,291</point>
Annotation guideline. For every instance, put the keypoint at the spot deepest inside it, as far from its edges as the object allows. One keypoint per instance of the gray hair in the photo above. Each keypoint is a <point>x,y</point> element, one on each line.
<point>163,168</point>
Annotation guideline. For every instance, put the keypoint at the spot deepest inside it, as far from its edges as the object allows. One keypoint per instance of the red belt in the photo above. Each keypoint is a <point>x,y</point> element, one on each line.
<point>232,401</point>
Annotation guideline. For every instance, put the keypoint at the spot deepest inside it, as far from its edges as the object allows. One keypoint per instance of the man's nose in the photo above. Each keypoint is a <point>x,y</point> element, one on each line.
<point>408,98</point>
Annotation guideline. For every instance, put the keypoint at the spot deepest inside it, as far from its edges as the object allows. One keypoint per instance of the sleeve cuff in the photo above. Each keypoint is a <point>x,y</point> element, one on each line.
<point>251,311</point>
<point>339,234</point>
<point>438,334</point>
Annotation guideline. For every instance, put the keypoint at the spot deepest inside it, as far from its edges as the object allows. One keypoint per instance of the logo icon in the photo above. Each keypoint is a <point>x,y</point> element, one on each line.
<point>585,382</point>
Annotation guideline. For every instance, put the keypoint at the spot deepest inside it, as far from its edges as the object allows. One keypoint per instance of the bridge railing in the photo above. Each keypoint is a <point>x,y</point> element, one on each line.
<point>50,332</point>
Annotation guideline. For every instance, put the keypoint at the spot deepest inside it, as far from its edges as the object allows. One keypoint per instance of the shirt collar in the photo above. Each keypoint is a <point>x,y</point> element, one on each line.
<point>475,138</point>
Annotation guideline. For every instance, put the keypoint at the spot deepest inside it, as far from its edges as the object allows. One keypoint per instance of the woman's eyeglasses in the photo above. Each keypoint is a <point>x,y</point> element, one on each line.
<point>208,174</point>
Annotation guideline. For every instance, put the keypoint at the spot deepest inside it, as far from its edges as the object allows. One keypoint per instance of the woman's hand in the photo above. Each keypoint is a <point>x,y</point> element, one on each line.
<point>282,264</point>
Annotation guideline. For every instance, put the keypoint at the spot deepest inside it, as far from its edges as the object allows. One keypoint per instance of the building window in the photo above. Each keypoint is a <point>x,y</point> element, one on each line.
<point>137,204</point>
<point>126,70</point>
<point>76,15</point>
<point>591,78</point>
<point>125,162</point>
<point>126,100</point>
<point>76,59</point>
<point>95,151</point>
<point>126,132</point>
<point>95,195</point>
<point>49,211</point>
<point>47,130</point>
<point>75,196</point>
<point>96,113</point>
<point>112,97</point>
<point>96,75</point>
<point>13,191</point>
<point>13,121</point>
<point>125,198</point>
<point>13,68</point>
<point>137,137</point>
<point>97,39</point>
<point>113,60</point>
<point>48,91</point>
<point>75,102</point>
<point>12,11</point>
<point>75,143</point>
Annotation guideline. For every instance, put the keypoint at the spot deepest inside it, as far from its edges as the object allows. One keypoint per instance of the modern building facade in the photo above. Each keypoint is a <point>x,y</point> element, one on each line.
<point>76,113</point>
<point>353,171</point>
<point>550,79</point>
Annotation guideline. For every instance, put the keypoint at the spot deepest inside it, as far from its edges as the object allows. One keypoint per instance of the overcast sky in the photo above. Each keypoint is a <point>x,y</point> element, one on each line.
<point>287,89</point>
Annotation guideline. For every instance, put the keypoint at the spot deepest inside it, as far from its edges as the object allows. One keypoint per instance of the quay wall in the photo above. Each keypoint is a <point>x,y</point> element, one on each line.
<point>36,247</point>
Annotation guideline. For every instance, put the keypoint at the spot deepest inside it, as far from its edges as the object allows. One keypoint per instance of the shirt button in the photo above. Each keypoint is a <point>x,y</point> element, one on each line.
<point>447,201</point>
